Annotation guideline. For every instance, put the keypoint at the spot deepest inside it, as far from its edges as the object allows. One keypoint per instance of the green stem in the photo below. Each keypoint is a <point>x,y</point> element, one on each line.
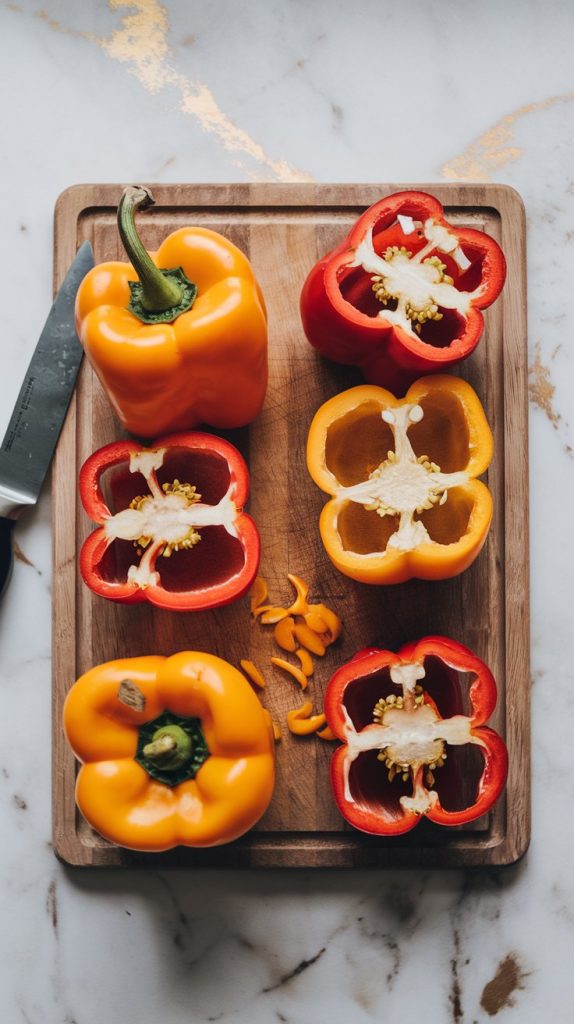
<point>158,292</point>
<point>159,748</point>
<point>169,749</point>
<point>159,295</point>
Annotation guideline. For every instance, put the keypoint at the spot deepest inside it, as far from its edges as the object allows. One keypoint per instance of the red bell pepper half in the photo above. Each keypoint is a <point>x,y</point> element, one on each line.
<point>408,747</point>
<point>401,295</point>
<point>172,527</point>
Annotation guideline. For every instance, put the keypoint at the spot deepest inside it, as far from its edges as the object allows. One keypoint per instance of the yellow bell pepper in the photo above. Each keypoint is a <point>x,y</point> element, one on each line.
<point>176,347</point>
<point>400,472</point>
<point>174,751</point>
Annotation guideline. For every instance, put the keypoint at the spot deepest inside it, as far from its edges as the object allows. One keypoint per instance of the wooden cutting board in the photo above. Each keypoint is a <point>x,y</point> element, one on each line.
<point>284,229</point>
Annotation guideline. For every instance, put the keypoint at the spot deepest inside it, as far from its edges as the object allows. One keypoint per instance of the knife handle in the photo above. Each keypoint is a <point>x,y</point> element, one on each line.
<point>6,552</point>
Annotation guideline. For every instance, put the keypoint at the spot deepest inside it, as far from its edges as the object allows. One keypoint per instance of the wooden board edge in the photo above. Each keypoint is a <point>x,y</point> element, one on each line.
<point>504,853</point>
<point>77,198</point>
<point>64,555</point>
<point>63,638</point>
<point>511,209</point>
<point>70,852</point>
<point>517,539</point>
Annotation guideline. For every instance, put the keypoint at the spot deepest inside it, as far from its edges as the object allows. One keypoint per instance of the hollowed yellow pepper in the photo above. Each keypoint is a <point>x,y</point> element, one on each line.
<point>400,472</point>
<point>177,337</point>
<point>175,751</point>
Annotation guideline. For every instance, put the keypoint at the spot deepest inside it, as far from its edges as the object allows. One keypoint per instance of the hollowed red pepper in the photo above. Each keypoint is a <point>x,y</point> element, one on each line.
<point>402,294</point>
<point>172,526</point>
<point>408,747</point>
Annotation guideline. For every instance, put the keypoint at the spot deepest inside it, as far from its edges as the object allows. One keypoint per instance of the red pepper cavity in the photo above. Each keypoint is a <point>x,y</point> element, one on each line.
<point>172,526</point>
<point>402,294</point>
<point>414,739</point>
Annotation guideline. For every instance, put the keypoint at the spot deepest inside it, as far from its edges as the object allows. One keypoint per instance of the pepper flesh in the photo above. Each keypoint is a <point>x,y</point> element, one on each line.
<point>302,723</point>
<point>401,476</point>
<point>321,625</point>
<point>229,792</point>
<point>253,673</point>
<point>293,670</point>
<point>208,365</point>
<point>213,545</point>
<point>382,300</point>
<point>383,774</point>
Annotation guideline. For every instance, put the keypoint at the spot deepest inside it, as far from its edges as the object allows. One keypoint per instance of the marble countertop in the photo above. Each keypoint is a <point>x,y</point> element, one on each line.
<point>242,91</point>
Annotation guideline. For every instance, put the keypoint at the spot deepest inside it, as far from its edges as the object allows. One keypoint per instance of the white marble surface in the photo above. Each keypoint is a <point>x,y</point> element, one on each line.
<point>246,90</point>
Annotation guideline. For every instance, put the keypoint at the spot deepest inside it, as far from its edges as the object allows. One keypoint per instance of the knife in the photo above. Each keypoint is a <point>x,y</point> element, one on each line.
<point>40,410</point>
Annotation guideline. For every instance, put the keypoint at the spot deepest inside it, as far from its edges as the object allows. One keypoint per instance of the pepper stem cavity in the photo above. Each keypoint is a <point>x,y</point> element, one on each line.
<point>160,296</point>
<point>170,748</point>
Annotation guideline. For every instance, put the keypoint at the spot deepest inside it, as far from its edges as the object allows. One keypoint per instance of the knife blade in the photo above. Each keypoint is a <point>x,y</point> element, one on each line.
<point>40,409</point>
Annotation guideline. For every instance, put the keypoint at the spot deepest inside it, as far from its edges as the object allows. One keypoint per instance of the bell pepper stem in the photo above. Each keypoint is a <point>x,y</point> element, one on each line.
<point>158,292</point>
<point>158,748</point>
<point>170,748</point>
<point>159,295</point>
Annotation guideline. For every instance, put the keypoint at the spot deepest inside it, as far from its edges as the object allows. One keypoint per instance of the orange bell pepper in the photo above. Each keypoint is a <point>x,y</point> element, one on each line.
<point>175,751</point>
<point>401,475</point>
<point>176,347</point>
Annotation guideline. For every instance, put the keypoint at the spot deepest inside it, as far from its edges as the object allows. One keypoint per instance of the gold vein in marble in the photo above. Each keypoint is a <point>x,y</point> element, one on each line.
<point>56,26</point>
<point>494,149</point>
<point>541,389</point>
<point>141,42</point>
<point>51,22</point>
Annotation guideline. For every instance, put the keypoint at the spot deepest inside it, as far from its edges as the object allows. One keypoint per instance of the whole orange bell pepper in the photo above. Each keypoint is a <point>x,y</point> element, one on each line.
<point>175,751</point>
<point>401,475</point>
<point>177,346</point>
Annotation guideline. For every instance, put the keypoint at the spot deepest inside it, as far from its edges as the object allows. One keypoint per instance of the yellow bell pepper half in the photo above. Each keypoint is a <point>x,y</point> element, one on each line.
<point>174,751</point>
<point>401,474</point>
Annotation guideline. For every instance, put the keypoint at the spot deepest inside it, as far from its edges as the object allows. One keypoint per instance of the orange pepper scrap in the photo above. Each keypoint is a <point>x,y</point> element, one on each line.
<point>253,673</point>
<point>306,660</point>
<point>302,723</point>
<point>326,734</point>
<point>312,626</point>
<point>293,670</point>
<point>283,634</point>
